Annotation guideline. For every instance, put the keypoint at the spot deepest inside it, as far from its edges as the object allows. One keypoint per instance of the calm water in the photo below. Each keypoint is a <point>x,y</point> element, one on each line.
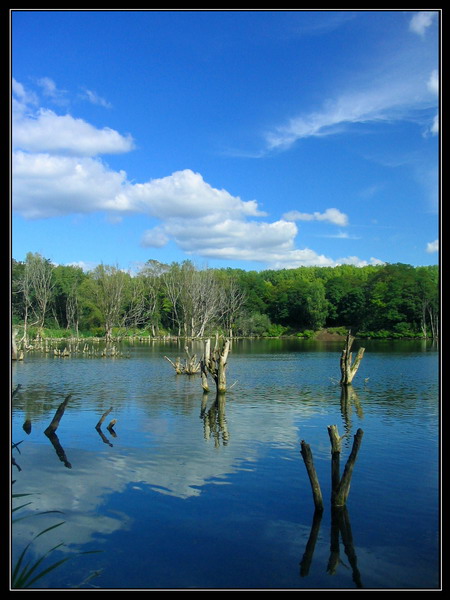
<point>192,493</point>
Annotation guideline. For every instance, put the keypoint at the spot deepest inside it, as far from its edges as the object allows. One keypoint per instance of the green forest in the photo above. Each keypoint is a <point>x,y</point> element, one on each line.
<point>181,300</point>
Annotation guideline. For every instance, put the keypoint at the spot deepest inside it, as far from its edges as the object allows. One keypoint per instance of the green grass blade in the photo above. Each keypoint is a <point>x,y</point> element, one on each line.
<point>27,572</point>
<point>21,506</point>
<point>48,569</point>
<point>44,512</point>
<point>19,561</point>
<point>48,529</point>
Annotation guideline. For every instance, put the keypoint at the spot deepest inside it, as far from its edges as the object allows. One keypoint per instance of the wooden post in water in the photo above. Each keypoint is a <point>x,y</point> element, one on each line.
<point>348,370</point>
<point>103,417</point>
<point>335,440</point>
<point>50,432</point>
<point>58,415</point>
<point>315,485</point>
<point>215,363</point>
<point>342,491</point>
<point>192,365</point>
<point>176,365</point>
<point>204,365</point>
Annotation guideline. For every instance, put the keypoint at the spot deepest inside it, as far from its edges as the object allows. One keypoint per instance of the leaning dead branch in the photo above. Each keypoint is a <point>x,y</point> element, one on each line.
<point>315,485</point>
<point>58,416</point>
<point>103,417</point>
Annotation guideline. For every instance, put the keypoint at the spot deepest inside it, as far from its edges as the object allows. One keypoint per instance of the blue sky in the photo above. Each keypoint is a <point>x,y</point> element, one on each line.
<point>246,139</point>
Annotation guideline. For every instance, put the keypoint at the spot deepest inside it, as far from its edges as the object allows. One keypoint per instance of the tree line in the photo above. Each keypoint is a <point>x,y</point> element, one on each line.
<point>180,299</point>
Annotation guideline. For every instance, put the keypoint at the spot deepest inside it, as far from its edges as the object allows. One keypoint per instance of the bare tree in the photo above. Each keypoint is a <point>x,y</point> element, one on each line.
<point>152,274</point>
<point>232,298</point>
<point>73,308</point>
<point>109,290</point>
<point>36,286</point>
<point>173,288</point>
<point>204,294</point>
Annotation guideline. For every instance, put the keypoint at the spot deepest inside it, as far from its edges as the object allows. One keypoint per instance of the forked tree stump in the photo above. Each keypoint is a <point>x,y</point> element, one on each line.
<point>340,494</point>
<point>348,370</point>
<point>215,363</point>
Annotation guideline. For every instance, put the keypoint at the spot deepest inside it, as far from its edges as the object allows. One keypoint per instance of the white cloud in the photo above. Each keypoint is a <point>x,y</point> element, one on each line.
<point>22,97</point>
<point>396,90</point>
<point>154,238</point>
<point>57,171</point>
<point>433,86</point>
<point>49,132</point>
<point>433,82</point>
<point>51,91</point>
<point>434,129</point>
<point>85,266</point>
<point>185,194</point>
<point>421,21</point>
<point>332,215</point>
<point>48,186</point>
<point>393,101</point>
<point>433,247</point>
<point>94,98</point>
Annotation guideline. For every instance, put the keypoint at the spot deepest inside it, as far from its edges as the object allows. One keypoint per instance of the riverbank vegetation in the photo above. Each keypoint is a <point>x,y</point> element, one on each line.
<point>181,300</point>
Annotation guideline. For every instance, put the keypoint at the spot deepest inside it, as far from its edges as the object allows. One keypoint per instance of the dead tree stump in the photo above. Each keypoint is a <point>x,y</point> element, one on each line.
<point>179,369</point>
<point>191,365</point>
<point>103,417</point>
<point>340,486</point>
<point>343,489</point>
<point>215,363</point>
<point>348,370</point>
<point>315,485</point>
<point>58,416</point>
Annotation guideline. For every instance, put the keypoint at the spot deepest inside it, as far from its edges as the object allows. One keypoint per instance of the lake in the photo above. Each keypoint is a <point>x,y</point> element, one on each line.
<point>192,492</point>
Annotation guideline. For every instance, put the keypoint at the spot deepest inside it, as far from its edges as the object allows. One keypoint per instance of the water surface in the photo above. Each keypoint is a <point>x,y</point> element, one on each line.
<point>189,491</point>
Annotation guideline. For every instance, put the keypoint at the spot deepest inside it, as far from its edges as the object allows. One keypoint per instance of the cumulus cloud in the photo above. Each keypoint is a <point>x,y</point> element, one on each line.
<point>50,186</point>
<point>433,247</point>
<point>421,21</point>
<point>332,215</point>
<point>58,170</point>
<point>154,238</point>
<point>63,134</point>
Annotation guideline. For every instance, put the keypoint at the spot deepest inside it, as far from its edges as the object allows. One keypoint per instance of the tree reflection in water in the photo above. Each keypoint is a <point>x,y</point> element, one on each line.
<point>340,524</point>
<point>214,421</point>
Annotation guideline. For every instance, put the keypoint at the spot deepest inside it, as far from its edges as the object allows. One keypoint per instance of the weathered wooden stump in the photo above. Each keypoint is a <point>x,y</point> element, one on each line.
<point>215,363</point>
<point>343,489</point>
<point>58,416</point>
<point>50,432</point>
<point>103,417</point>
<point>191,365</point>
<point>340,486</point>
<point>348,370</point>
<point>315,485</point>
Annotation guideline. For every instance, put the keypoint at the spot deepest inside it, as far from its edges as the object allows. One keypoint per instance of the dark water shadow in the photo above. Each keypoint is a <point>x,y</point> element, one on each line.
<point>58,448</point>
<point>340,531</point>
<point>103,436</point>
